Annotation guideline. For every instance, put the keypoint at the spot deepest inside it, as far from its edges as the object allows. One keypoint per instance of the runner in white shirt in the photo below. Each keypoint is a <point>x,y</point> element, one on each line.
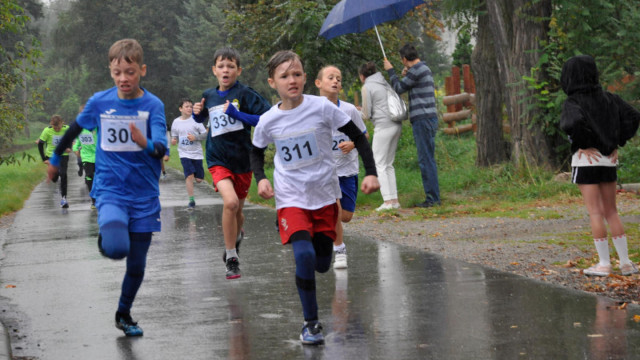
<point>188,134</point>
<point>305,178</point>
<point>329,83</point>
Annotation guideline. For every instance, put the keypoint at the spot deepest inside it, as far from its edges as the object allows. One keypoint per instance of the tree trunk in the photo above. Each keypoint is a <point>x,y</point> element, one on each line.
<point>517,31</point>
<point>490,142</point>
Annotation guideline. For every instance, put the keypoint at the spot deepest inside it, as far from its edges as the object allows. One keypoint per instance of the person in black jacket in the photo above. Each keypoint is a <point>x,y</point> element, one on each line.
<point>597,122</point>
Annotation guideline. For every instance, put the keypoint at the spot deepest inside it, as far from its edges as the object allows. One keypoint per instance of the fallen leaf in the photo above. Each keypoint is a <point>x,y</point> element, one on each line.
<point>515,263</point>
<point>636,318</point>
<point>10,286</point>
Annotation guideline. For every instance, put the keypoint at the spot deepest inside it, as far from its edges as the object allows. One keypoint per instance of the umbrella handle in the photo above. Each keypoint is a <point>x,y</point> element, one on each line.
<point>380,41</point>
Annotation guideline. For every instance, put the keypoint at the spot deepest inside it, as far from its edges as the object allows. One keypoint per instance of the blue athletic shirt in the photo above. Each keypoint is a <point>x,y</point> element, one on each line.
<point>124,175</point>
<point>230,149</point>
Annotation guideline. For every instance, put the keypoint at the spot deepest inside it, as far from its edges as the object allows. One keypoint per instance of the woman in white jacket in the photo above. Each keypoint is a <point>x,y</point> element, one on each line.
<point>386,132</point>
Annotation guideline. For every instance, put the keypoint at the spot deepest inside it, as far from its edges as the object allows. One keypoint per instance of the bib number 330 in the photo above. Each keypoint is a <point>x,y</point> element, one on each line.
<point>298,150</point>
<point>116,135</point>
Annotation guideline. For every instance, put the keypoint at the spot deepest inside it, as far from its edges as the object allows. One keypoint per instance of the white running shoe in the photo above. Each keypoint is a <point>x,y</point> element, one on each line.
<point>628,269</point>
<point>598,270</point>
<point>340,261</point>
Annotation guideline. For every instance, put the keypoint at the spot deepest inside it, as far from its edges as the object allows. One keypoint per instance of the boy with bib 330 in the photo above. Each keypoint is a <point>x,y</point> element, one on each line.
<point>231,108</point>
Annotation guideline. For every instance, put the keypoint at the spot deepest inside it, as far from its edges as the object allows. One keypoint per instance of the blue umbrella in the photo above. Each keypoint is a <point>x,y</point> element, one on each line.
<point>355,16</point>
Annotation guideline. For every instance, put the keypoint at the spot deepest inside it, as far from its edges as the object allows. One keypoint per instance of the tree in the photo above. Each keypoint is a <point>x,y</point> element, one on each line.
<point>462,53</point>
<point>285,24</point>
<point>490,142</point>
<point>19,53</point>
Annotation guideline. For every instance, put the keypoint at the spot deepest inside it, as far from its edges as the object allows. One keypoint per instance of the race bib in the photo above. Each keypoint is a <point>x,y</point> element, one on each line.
<point>56,139</point>
<point>187,145</point>
<point>220,123</point>
<point>297,150</point>
<point>86,139</point>
<point>116,135</point>
<point>337,139</point>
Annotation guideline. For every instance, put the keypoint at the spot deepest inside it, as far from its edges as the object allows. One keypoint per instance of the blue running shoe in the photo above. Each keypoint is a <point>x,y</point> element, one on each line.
<point>312,333</point>
<point>63,203</point>
<point>192,204</point>
<point>126,324</point>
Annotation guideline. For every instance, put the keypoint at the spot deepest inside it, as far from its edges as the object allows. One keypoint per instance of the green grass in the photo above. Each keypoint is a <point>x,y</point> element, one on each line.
<point>18,180</point>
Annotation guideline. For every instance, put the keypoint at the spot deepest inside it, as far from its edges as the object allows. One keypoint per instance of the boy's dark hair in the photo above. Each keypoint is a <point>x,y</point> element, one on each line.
<point>228,54</point>
<point>281,57</point>
<point>368,69</point>
<point>409,52</point>
<point>128,49</point>
<point>56,120</point>
<point>184,100</point>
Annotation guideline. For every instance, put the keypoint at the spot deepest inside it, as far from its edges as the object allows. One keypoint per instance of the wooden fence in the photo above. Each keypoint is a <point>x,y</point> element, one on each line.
<point>460,105</point>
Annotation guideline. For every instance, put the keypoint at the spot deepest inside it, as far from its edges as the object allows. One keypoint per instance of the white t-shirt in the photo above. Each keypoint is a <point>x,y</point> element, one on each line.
<point>305,170</point>
<point>347,164</point>
<point>180,128</point>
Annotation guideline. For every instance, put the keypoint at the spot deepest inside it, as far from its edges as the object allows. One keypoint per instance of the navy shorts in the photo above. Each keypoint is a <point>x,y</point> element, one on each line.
<point>593,174</point>
<point>349,188</point>
<point>192,167</point>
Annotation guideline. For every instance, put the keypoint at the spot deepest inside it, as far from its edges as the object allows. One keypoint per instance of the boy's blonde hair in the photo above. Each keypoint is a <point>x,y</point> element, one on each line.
<point>128,49</point>
<point>321,71</point>
<point>56,120</point>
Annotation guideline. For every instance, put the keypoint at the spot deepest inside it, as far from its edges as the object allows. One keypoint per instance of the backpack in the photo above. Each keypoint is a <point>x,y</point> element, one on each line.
<point>397,106</point>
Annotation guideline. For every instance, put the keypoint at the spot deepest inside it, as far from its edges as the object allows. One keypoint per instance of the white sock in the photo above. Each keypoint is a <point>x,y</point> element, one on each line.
<point>602,247</point>
<point>620,242</point>
<point>231,253</point>
<point>339,247</point>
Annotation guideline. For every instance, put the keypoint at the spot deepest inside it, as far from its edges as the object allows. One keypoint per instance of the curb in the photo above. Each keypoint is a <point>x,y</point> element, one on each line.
<point>5,344</point>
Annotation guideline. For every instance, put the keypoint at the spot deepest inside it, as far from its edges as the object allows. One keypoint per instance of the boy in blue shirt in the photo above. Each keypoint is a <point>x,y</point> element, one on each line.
<point>131,138</point>
<point>231,108</point>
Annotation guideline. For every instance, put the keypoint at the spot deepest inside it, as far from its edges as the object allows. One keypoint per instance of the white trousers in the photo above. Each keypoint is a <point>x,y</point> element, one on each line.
<point>385,142</point>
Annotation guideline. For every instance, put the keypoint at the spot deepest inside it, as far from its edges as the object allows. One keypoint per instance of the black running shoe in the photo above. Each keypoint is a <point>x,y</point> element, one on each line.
<point>238,242</point>
<point>233,268</point>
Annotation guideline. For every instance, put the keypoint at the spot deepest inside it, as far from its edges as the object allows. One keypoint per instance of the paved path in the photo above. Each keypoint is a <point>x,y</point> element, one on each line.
<point>58,296</point>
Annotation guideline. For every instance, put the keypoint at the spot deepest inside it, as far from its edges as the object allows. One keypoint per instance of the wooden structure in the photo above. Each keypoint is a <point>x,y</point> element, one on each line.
<point>460,105</point>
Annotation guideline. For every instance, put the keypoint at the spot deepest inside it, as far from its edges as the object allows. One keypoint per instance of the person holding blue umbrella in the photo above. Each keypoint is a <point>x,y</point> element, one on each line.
<point>418,81</point>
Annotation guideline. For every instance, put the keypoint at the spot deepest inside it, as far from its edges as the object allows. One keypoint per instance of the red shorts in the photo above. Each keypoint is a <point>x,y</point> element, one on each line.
<point>293,219</point>
<point>241,182</point>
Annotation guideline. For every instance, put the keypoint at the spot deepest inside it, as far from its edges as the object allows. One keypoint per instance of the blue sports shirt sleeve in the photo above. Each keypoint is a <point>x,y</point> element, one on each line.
<point>244,117</point>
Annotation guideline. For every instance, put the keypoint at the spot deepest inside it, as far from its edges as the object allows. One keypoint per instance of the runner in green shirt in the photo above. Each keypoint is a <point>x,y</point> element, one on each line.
<point>85,148</point>
<point>47,142</point>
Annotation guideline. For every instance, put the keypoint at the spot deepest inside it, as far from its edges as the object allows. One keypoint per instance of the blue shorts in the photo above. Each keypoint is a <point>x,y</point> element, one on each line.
<point>349,188</point>
<point>140,217</point>
<point>192,167</point>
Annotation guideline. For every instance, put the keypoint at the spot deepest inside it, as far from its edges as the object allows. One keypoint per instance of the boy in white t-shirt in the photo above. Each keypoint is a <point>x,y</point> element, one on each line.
<point>305,179</point>
<point>188,134</point>
<point>329,83</point>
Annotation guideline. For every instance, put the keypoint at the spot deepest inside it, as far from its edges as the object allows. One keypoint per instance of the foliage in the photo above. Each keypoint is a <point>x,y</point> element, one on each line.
<point>198,38</point>
<point>462,53</point>
<point>285,24</point>
<point>603,29</point>
<point>86,31</point>
<point>19,53</point>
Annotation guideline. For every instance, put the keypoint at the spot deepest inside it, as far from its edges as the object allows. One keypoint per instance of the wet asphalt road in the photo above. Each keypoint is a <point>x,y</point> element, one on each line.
<point>392,302</point>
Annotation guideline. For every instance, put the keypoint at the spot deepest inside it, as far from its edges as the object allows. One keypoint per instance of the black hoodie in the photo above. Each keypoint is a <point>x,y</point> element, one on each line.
<point>592,117</point>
